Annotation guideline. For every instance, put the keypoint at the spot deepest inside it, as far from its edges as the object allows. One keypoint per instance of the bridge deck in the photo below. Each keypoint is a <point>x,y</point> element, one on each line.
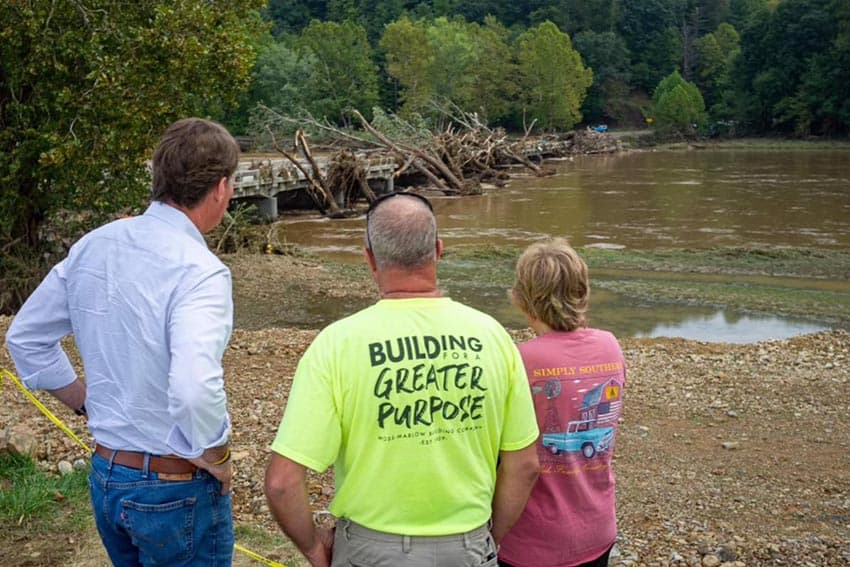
<point>268,177</point>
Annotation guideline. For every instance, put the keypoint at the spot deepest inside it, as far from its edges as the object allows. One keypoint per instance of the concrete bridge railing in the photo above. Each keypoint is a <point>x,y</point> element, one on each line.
<point>262,181</point>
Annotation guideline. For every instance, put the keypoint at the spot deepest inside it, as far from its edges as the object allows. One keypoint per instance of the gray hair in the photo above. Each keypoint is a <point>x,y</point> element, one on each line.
<point>402,233</point>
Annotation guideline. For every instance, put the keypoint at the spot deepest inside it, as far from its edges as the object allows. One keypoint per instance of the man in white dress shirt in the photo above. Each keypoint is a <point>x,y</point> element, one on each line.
<point>151,311</point>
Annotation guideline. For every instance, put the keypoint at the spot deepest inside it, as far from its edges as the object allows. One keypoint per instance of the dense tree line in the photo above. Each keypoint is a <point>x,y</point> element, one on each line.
<point>330,68</point>
<point>760,66</point>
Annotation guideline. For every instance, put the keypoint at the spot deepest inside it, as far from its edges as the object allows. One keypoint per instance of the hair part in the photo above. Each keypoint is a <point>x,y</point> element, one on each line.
<point>192,156</point>
<point>402,233</point>
<point>552,285</point>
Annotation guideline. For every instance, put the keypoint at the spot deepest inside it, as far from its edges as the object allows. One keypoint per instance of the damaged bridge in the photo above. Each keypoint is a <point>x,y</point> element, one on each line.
<point>273,184</point>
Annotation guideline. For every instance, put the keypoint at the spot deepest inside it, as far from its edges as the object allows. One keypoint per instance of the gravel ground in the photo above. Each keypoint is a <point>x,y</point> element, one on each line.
<point>727,454</point>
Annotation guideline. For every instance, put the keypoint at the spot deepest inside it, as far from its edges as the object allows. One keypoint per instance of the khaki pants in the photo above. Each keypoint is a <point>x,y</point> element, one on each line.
<point>358,546</point>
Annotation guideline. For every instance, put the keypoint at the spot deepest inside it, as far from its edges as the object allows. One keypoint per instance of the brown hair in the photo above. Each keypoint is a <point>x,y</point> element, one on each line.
<point>552,285</point>
<point>192,156</point>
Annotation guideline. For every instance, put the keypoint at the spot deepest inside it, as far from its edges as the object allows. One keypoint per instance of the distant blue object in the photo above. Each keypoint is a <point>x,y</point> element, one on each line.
<point>602,128</point>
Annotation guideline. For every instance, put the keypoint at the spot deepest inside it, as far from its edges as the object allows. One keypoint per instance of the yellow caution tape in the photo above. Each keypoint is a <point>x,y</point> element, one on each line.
<point>61,425</point>
<point>58,422</point>
<point>259,558</point>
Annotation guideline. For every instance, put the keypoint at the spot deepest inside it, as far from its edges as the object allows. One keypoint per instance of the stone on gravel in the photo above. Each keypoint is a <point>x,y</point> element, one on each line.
<point>21,441</point>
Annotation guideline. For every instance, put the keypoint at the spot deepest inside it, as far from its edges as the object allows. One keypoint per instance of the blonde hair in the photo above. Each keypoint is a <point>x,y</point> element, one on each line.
<point>552,285</point>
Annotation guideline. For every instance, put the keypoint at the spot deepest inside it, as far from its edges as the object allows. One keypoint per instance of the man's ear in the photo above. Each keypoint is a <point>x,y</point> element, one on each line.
<point>370,259</point>
<point>220,191</point>
<point>439,248</point>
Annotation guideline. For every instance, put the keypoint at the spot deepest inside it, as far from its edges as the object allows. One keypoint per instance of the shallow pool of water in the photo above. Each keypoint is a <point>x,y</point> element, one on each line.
<point>730,327</point>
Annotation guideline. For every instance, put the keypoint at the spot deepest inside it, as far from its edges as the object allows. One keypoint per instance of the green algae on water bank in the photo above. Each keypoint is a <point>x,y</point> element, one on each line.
<point>786,262</point>
<point>309,292</point>
<point>811,284</point>
<point>765,143</point>
<point>812,304</point>
<point>791,262</point>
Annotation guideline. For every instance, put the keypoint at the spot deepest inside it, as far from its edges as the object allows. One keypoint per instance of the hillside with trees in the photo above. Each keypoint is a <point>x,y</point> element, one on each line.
<point>778,67</point>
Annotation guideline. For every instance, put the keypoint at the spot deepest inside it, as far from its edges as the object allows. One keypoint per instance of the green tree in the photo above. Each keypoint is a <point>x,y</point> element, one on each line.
<point>716,54</point>
<point>740,11</point>
<point>344,76</point>
<point>279,78</point>
<point>607,55</point>
<point>373,15</point>
<point>508,13</point>
<point>574,16</point>
<point>553,80</point>
<point>292,16</point>
<point>493,87</point>
<point>465,63</point>
<point>87,87</point>
<point>455,58</point>
<point>820,103</point>
<point>651,31</point>
<point>410,58</point>
<point>678,106</point>
<point>789,58</point>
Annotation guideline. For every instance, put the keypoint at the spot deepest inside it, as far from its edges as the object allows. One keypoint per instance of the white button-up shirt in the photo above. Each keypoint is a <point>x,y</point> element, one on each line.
<point>151,311</point>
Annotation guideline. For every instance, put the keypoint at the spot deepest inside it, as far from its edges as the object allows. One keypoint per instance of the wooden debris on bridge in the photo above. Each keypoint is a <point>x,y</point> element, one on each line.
<point>347,175</point>
<point>318,190</point>
<point>456,159</point>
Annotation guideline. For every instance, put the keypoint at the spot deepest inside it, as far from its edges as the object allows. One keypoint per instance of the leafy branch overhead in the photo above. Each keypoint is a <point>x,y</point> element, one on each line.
<point>85,92</point>
<point>86,88</point>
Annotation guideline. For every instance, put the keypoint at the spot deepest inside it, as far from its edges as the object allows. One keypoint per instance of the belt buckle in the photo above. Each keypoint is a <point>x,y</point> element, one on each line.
<point>176,476</point>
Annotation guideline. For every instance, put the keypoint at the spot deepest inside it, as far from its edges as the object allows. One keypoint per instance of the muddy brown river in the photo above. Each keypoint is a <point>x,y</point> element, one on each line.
<point>642,200</point>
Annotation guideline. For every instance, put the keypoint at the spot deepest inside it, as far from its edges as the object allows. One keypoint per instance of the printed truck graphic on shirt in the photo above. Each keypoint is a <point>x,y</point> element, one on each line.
<point>597,414</point>
<point>580,436</point>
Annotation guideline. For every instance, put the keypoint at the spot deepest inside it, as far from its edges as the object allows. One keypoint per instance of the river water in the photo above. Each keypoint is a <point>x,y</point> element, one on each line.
<point>640,200</point>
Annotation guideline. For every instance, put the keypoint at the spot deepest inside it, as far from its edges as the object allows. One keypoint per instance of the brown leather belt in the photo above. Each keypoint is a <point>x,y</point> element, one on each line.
<point>157,464</point>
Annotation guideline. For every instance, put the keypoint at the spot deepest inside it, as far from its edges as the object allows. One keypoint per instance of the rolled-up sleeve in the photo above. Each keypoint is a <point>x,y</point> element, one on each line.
<point>34,337</point>
<point>199,328</point>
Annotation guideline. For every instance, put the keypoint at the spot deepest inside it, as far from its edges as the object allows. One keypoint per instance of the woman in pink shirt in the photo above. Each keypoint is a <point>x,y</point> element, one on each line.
<point>577,376</point>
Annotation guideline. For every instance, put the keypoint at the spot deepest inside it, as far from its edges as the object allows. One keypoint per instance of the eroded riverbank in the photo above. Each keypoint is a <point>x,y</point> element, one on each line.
<point>808,286</point>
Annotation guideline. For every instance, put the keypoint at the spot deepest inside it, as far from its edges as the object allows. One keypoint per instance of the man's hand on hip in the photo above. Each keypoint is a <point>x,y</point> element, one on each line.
<point>217,462</point>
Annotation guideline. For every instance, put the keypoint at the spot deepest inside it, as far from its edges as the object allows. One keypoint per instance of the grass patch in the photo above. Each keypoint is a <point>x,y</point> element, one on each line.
<point>790,262</point>
<point>499,262</point>
<point>759,144</point>
<point>355,272</point>
<point>822,305</point>
<point>32,496</point>
<point>508,253</point>
<point>272,546</point>
<point>689,276</point>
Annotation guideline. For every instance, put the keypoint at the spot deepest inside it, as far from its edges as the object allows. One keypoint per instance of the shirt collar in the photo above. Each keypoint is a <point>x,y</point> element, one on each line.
<point>176,218</point>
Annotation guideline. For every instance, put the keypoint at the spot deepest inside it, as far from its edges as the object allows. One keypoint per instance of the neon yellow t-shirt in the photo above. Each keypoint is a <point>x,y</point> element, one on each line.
<point>411,400</point>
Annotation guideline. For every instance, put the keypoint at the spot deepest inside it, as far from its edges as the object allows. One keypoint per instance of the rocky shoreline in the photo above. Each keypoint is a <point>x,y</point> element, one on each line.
<point>728,454</point>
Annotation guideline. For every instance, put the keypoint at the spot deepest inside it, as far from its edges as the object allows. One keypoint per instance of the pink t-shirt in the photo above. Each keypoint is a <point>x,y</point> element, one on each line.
<point>577,381</point>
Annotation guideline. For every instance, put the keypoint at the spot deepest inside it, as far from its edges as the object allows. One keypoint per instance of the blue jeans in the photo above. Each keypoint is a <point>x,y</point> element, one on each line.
<point>143,520</point>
